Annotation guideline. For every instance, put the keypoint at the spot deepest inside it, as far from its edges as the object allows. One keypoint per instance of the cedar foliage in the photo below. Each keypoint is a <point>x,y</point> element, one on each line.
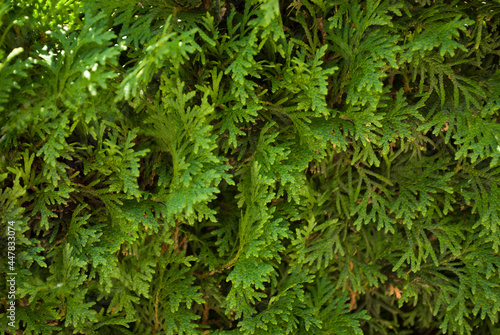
<point>252,167</point>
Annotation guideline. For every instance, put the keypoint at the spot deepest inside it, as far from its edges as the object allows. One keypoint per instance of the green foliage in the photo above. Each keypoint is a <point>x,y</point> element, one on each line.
<point>251,167</point>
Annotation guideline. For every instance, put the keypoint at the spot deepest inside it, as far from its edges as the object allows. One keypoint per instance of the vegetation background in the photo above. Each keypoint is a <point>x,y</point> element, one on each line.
<point>251,167</point>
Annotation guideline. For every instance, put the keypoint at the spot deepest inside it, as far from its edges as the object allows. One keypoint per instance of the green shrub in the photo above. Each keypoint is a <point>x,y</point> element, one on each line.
<point>252,167</point>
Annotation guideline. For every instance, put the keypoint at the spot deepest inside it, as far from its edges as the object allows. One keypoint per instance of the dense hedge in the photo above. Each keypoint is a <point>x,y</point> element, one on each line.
<point>250,167</point>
